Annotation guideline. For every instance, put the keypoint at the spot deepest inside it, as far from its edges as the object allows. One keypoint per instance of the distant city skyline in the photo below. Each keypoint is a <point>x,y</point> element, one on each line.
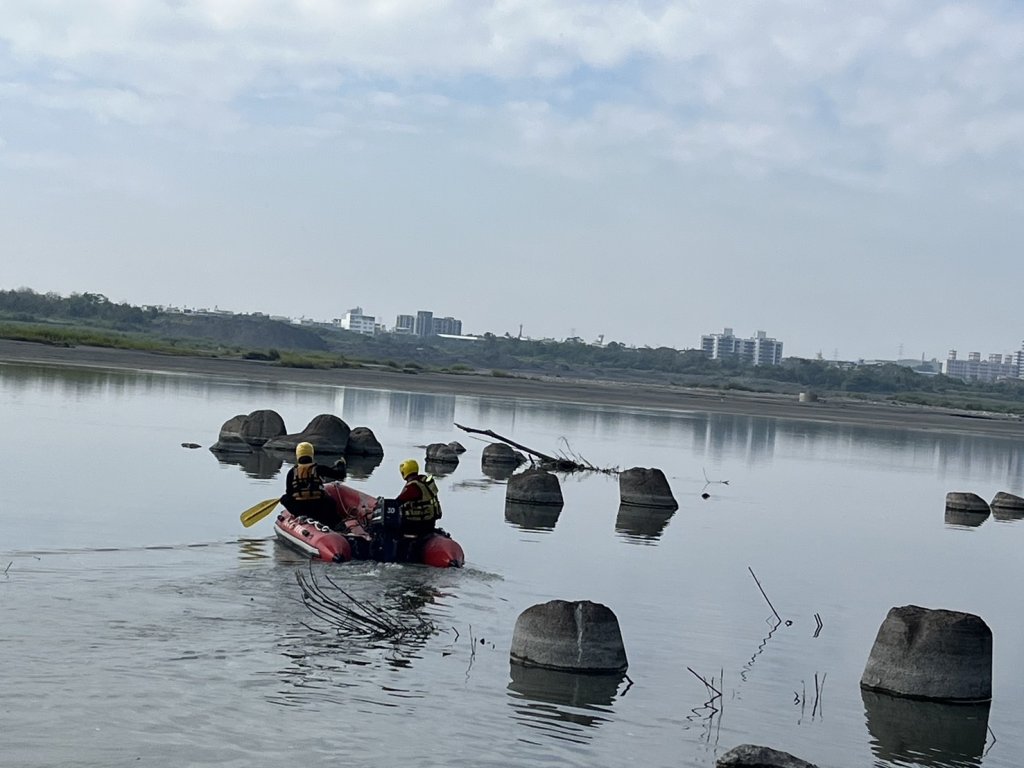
<point>847,176</point>
<point>407,324</point>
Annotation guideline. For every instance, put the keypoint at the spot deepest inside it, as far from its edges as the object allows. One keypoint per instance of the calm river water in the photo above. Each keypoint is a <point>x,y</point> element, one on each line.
<point>142,625</point>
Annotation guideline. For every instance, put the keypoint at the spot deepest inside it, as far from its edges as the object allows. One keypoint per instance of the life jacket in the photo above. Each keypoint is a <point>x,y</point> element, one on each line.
<point>425,508</point>
<point>306,483</point>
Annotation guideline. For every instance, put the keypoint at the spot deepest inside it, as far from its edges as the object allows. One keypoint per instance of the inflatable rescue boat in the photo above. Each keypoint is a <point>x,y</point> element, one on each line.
<point>356,542</point>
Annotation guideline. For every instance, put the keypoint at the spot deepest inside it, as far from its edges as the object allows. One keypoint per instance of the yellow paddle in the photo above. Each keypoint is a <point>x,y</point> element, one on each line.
<point>254,514</point>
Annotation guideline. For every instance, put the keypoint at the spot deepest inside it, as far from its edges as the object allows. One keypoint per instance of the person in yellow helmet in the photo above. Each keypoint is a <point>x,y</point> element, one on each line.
<point>304,494</point>
<point>400,523</point>
<point>418,503</point>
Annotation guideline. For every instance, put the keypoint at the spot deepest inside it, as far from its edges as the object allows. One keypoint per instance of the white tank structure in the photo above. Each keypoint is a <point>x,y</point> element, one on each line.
<point>932,654</point>
<point>645,487</point>
<point>579,636</point>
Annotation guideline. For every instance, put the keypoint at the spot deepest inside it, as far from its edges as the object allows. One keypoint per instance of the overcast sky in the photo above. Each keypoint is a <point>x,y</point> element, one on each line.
<point>845,176</point>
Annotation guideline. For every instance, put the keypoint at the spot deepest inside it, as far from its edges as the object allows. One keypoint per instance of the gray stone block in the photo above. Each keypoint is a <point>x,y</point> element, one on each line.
<point>534,486</point>
<point>573,636</point>
<point>966,502</point>
<point>931,654</point>
<point>362,442</point>
<point>645,487</point>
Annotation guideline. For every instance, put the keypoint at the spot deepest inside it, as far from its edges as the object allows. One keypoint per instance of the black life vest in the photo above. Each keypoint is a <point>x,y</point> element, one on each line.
<point>306,483</point>
<point>425,508</point>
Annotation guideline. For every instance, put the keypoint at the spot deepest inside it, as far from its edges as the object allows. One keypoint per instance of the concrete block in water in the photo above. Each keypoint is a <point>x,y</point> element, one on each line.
<point>966,502</point>
<point>645,487</point>
<point>935,654</point>
<point>576,636</point>
<point>534,486</point>
<point>1007,506</point>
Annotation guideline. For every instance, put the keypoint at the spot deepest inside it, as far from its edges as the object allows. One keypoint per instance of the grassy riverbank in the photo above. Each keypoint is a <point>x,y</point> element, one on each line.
<point>612,393</point>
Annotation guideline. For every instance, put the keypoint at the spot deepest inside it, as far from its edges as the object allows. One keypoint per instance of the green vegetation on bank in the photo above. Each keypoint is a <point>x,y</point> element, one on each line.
<point>91,319</point>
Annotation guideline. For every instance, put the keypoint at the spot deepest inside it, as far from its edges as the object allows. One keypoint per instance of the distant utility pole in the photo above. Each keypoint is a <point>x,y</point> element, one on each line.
<point>900,355</point>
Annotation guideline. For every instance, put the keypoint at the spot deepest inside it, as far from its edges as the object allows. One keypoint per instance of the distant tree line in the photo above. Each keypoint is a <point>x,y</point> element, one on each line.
<point>26,304</point>
<point>264,339</point>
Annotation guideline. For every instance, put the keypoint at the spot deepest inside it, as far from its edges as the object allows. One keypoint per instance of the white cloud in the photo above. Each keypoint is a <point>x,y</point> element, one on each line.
<point>841,90</point>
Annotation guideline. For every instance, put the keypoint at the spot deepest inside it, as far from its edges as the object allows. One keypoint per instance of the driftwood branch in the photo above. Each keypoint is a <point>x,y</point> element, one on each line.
<point>563,463</point>
<point>351,616</point>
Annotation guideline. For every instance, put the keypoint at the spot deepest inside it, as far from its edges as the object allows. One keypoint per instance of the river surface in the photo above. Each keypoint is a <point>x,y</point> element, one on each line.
<point>142,625</point>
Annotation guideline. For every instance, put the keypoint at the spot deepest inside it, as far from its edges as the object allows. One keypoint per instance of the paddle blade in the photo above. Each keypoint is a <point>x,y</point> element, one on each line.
<point>254,514</point>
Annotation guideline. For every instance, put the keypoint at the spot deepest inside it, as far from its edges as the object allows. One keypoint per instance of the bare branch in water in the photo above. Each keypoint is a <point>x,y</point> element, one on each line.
<point>352,616</point>
<point>762,592</point>
<point>568,462</point>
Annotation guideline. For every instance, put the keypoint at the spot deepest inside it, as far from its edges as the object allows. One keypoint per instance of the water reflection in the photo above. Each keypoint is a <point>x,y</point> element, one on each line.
<point>642,525</point>
<point>561,705</point>
<point>498,472</point>
<point>259,464</point>
<point>383,620</point>
<point>361,467</point>
<point>958,518</point>
<point>1007,514</point>
<point>255,549</point>
<point>926,732</point>
<point>439,468</point>
<point>421,410</point>
<point>532,517</point>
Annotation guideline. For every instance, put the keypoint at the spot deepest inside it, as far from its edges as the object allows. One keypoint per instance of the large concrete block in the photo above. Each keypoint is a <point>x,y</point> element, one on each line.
<point>576,636</point>
<point>1007,506</point>
<point>535,487</point>
<point>966,502</point>
<point>935,654</point>
<point>645,487</point>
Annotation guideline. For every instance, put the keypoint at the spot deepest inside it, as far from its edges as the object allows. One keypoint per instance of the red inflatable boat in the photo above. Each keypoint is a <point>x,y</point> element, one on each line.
<point>355,543</point>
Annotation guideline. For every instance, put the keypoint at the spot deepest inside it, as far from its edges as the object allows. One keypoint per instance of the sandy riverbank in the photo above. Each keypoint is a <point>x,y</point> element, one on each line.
<point>845,411</point>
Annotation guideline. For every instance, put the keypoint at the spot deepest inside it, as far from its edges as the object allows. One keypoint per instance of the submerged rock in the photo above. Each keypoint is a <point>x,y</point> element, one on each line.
<point>500,453</point>
<point>362,442</point>
<point>326,432</point>
<point>754,756</point>
<point>246,433</point>
<point>576,636</point>
<point>645,487</point>
<point>931,654</point>
<point>442,453</point>
<point>261,426</point>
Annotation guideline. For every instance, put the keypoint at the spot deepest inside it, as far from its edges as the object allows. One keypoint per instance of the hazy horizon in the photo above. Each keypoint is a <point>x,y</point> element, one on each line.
<point>845,178</point>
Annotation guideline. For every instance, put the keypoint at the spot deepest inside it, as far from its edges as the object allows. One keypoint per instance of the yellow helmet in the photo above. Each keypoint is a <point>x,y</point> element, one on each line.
<point>409,467</point>
<point>304,449</point>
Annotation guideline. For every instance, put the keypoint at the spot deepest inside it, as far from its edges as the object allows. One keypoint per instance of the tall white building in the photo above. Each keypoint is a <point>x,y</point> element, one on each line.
<point>975,369</point>
<point>758,350</point>
<point>355,320</point>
